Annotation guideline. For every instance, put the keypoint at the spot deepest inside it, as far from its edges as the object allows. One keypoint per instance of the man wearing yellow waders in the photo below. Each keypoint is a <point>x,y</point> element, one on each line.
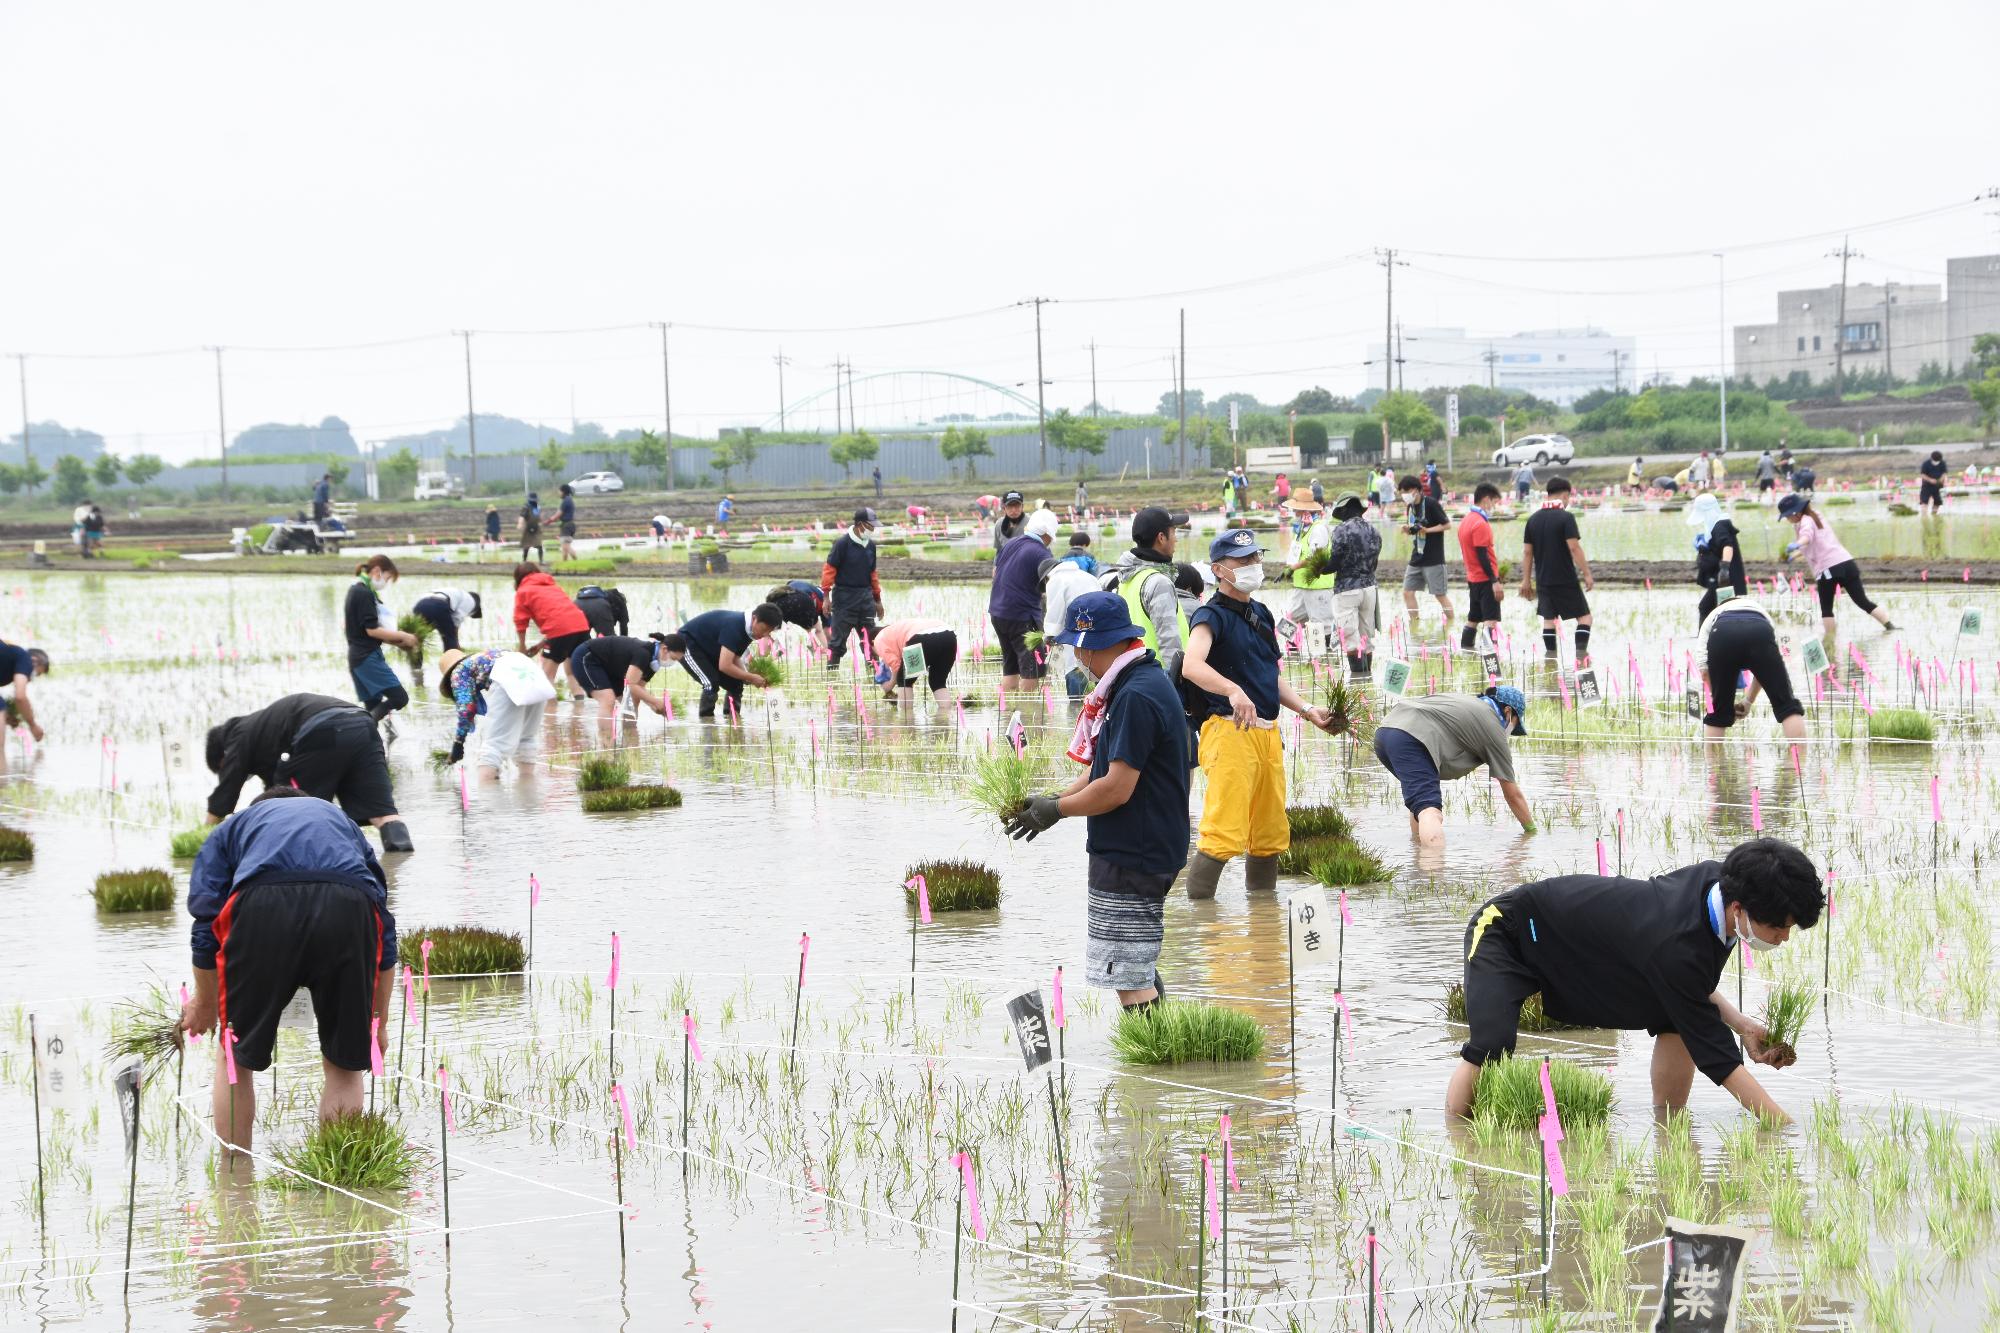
<point>1232,657</point>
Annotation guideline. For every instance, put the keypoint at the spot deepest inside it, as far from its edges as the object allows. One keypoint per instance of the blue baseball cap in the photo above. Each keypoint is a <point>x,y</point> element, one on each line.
<point>1233,545</point>
<point>1097,620</point>
<point>1509,697</point>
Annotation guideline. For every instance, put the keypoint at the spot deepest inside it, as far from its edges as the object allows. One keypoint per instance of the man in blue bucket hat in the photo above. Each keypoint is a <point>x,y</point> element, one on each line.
<point>1440,736</point>
<point>1132,734</point>
<point>1232,658</point>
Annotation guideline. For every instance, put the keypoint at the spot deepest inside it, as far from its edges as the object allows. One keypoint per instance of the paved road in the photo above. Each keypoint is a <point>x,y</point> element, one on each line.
<point>1744,462</point>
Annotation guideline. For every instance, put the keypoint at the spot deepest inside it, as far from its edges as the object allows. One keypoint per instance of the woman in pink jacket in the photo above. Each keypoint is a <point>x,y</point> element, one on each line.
<point>1829,561</point>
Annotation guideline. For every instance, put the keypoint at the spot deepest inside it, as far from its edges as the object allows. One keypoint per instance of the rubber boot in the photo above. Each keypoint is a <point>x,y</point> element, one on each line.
<point>1203,872</point>
<point>1357,666</point>
<point>1260,874</point>
<point>396,837</point>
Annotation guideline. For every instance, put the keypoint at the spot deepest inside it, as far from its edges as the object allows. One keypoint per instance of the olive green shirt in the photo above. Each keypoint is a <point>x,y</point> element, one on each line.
<point>1460,731</point>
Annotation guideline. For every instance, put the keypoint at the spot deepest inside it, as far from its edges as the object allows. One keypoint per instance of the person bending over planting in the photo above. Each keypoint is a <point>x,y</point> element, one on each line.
<point>938,643</point>
<point>510,692</point>
<point>1736,637</point>
<point>288,896</point>
<point>322,746</point>
<point>1433,738</point>
<point>1604,951</point>
<point>715,644</point>
<point>564,628</point>
<point>605,668</point>
<point>1134,797</point>
<point>21,665</point>
<point>446,609</point>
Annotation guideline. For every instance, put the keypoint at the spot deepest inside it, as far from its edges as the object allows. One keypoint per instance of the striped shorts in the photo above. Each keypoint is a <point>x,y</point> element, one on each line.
<point>1126,922</point>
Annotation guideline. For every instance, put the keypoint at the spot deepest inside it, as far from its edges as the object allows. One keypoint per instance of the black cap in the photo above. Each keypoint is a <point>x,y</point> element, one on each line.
<point>1043,570</point>
<point>1150,522</point>
<point>865,515</point>
<point>1012,498</point>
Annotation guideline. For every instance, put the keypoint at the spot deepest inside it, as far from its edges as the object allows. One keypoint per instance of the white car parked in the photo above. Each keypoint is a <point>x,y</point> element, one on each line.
<point>597,483</point>
<point>1540,450</point>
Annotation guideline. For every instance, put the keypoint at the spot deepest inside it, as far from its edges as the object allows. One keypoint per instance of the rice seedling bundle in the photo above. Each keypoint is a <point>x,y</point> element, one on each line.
<point>440,760</point>
<point>647,796</point>
<point>352,1152</point>
<point>1349,706</point>
<point>1533,1017</point>
<point>149,1035</point>
<point>1175,1032</point>
<point>1510,1093</point>
<point>597,772</point>
<point>422,630</point>
<point>1002,784</point>
<point>134,891</point>
<point>1318,821</point>
<point>462,950</point>
<point>1901,724</point>
<point>1298,858</point>
<point>771,668</point>
<point>1341,863</point>
<point>188,842</point>
<point>1787,1008</point>
<point>16,845</point>
<point>1034,641</point>
<point>955,886</point>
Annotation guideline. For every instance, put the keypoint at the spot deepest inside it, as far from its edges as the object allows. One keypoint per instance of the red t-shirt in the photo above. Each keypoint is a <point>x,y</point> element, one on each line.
<point>1475,534</point>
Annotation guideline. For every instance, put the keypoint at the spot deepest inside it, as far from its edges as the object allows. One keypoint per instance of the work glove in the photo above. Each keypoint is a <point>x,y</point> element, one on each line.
<point>1036,818</point>
<point>457,751</point>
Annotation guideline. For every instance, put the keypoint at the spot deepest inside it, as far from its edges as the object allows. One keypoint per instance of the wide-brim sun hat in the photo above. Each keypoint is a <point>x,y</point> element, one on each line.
<point>1097,620</point>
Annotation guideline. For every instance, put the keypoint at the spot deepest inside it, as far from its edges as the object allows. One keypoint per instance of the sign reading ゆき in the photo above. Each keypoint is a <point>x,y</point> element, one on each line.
<point>1314,937</point>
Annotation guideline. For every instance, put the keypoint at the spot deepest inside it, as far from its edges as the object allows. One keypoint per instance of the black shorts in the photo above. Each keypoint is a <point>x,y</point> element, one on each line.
<point>1744,641</point>
<point>1484,605</point>
<point>563,645</point>
<point>1930,493</point>
<point>278,938</point>
<point>437,611</point>
<point>1498,979</point>
<point>940,655</point>
<point>1567,603</point>
<point>601,614</point>
<point>1846,575</point>
<point>1016,659</point>
<point>591,675</point>
<point>1764,484</point>
<point>567,529</point>
<point>337,755</point>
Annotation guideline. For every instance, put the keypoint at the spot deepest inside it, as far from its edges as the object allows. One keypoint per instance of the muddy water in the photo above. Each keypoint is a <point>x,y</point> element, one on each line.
<point>807,821</point>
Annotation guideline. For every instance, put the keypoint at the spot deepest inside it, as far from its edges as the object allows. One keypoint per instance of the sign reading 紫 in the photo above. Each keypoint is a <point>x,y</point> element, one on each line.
<point>1314,931</point>
<point>1031,1028</point>
<point>1588,693</point>
<point>1814,656</point>
<point>1395,678</point>
<point>126,1084</point>
<point>1489,662</point>
<point>57,1066</point>
<point>1694,701</point>
<point>1699,1294</point>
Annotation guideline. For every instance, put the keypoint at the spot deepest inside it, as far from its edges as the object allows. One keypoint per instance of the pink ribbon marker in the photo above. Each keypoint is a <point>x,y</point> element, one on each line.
<point>444,1097</point>
<point>229,1052</point>
<point>666,706</point>
<point>409,995</point>
<point>1550,1114</point>
<point>1937,807</point>
<point>923,896</point>
<point>375,1046</point>
<point>611,977</point>
<point>1228,1155</point>
<point>426,950</point>
<point>464,798</point>
<point>534,891</point>
<point>1347,1017</point>
<point>1058,1019</point>
<point>1756,810</point>
<point>1208,1196</point>
<point>805,944</point>
<point>694,1042</point>
<point>625,1114</point>
<point>1346,917</point>
<point>963,1161</point>
<point>1552,1157</point>
<point>1602,866</point>
<point>1371,1247</point>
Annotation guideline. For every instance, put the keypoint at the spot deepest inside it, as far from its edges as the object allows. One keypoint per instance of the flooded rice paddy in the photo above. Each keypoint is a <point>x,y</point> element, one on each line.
<point>809,1183</point>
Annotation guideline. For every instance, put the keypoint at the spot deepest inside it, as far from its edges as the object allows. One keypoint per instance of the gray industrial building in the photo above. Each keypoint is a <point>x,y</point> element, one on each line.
<point>1895,327</point>
<point>1557,364</point>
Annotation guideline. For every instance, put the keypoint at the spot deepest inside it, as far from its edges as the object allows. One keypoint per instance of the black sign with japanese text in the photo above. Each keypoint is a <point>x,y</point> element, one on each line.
<point>1031,1028</point>
<point>1703,1266</point>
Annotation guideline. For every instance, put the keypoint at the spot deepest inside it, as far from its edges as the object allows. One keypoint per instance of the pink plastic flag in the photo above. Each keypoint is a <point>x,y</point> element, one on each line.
<point>959,704</point>
<point>625,1114</point>
<point>1347,1018</point>
<point>923,896</point>
<point>1552,1158</point>
<point>805,946</point>
<point>1937,807</point>
<point>667,705</point>
<point>1228,1155</point>
<point>1756,810</point>
<point>534,890</point>
<point>733,718</point>
<point>1346,917</point>
<point>963,1161</point>
<point>426,950</point>
<point>694,1042</point>
<point>1603,868</point>
<point>409,994</point>
<point>1208,1196</point>
<point>611,977</point>
<point>464,798</point>
<point>1371,1247</point>
<point>1551,1117</point>
<point>812,726</point>
<point>1058,1017</point>
<point>375,1046</point>
<point>444,1098</point>
<point>1798,771</point>
<point>229,1052</point>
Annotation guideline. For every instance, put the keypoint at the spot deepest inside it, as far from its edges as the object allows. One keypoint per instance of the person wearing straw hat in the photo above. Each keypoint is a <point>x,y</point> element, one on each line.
<point>320,745</point>
<point>1353,552</point>
<point>1718,554</point>
<point>288,896</point>
<point>1313,575</point>
<point>850,585</point>
<point>1606,951</point>
<point>510,692</point>
<point>1232,657</point>
<point>1430,739</point>
<point>1132,734</point>
<point>1738,636</point>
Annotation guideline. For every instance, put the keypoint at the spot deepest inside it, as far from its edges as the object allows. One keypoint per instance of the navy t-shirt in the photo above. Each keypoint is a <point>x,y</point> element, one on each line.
<point>853,563</point>
<point>712,631</point>
<point>616,652</point>
<point>1145,728</point>
<point>1017,593</point>
<point>14,661</point>
<point>1244,649</point>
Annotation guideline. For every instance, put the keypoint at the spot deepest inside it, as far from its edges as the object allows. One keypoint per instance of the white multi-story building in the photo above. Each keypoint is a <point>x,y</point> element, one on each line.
<point>1557,364</point>
<point>1897,327</point>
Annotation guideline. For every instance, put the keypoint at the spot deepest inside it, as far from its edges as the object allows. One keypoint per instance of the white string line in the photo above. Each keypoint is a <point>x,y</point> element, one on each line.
<point>202,1126</point>
<point>1385,1292</point>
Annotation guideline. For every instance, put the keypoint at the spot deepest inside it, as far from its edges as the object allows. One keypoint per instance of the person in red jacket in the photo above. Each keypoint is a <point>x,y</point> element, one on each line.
<point>561,621</point>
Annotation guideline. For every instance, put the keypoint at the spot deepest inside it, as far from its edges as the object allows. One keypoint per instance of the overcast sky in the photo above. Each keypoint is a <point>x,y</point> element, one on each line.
<point>285,176</point>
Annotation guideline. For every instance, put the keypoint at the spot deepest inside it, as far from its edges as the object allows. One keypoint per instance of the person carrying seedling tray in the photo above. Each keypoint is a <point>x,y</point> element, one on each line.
<point>1604,951</point>
<point>1434,738</point>
<point>716,644</point>
<point>1132,733</point>
<point>287,896</point>
<point>1232,656</point>
<point>320,745</point>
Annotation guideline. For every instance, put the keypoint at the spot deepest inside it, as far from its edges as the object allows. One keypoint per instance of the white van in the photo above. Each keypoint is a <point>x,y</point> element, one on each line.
<point>438,486</point>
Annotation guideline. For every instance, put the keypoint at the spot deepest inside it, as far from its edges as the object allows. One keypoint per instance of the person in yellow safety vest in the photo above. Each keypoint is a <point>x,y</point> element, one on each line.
<point>1312,600</point>
<point>1144,577</point>
<point>1635,476</point>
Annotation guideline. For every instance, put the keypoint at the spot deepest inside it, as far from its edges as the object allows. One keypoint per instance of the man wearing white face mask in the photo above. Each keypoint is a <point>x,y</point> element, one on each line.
<point>1232,656</point>
<point>1610,952</point>
<point>853,589</point>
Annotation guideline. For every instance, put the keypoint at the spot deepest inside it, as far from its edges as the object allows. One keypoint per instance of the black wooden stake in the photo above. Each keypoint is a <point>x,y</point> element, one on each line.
<point>444,1157</point>
<point>132,1179</point>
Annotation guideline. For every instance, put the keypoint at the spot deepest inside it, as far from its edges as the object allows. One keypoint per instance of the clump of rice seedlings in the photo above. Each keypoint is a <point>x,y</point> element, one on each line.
<point>1348,705</point>
<point>1897,509</point>
<point>1298,858</point>
<point>645,796</point>
<point>955,886</point>
<point>599,772</point>
<point>1786,1008</point>
<point>16,845</point>
<point>352,1152</point>
<point>420,629</point>
<point>1510,1093</point>
<point>1034,641</point>
<point>770,667</point>
<point>440,760</point>
<point>1316,562</point>
<point>188,842</point>
<point>133,891</point>
<point>149,1035</point>
<point>1534,1018</point>
<point>462,950</point>
<point>1901,724</point>
<point>1002,784</point>
<point>1318,821</point>
<point>1179,1032</point>
<point>1342,863</point>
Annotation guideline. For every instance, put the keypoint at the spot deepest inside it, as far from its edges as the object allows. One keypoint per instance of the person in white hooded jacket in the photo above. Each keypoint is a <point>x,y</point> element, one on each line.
<point>447,609</point>
<point>1063,579</point>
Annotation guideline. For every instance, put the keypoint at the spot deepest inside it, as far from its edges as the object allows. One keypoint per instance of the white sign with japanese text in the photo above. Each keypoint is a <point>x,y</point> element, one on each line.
<point>1315,931</point>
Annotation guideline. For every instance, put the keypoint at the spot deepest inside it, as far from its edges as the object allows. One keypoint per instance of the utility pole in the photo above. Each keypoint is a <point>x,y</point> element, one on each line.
<point>781,361</point>
<point>1390,356</point>
<point>1181,398</point>
<point>1399,356</point>
<point>1041,406</point>
<point>1888,337</point>
<point>471,420</point>
<point>667,392</point>
<point>837,368</point>
<point>1492,358</point>
<point>1721,353</point>
<point>221,421</point>
<point>1615,356</point>
<point>1093,377</point>
<point>853,418</point>
<point>1843,254</point>
<point>27,455</point>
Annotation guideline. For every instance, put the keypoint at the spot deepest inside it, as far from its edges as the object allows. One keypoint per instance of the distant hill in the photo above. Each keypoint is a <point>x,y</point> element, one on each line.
<point>275,439</point>
<point>504,435</point>
<point>50,440</point>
